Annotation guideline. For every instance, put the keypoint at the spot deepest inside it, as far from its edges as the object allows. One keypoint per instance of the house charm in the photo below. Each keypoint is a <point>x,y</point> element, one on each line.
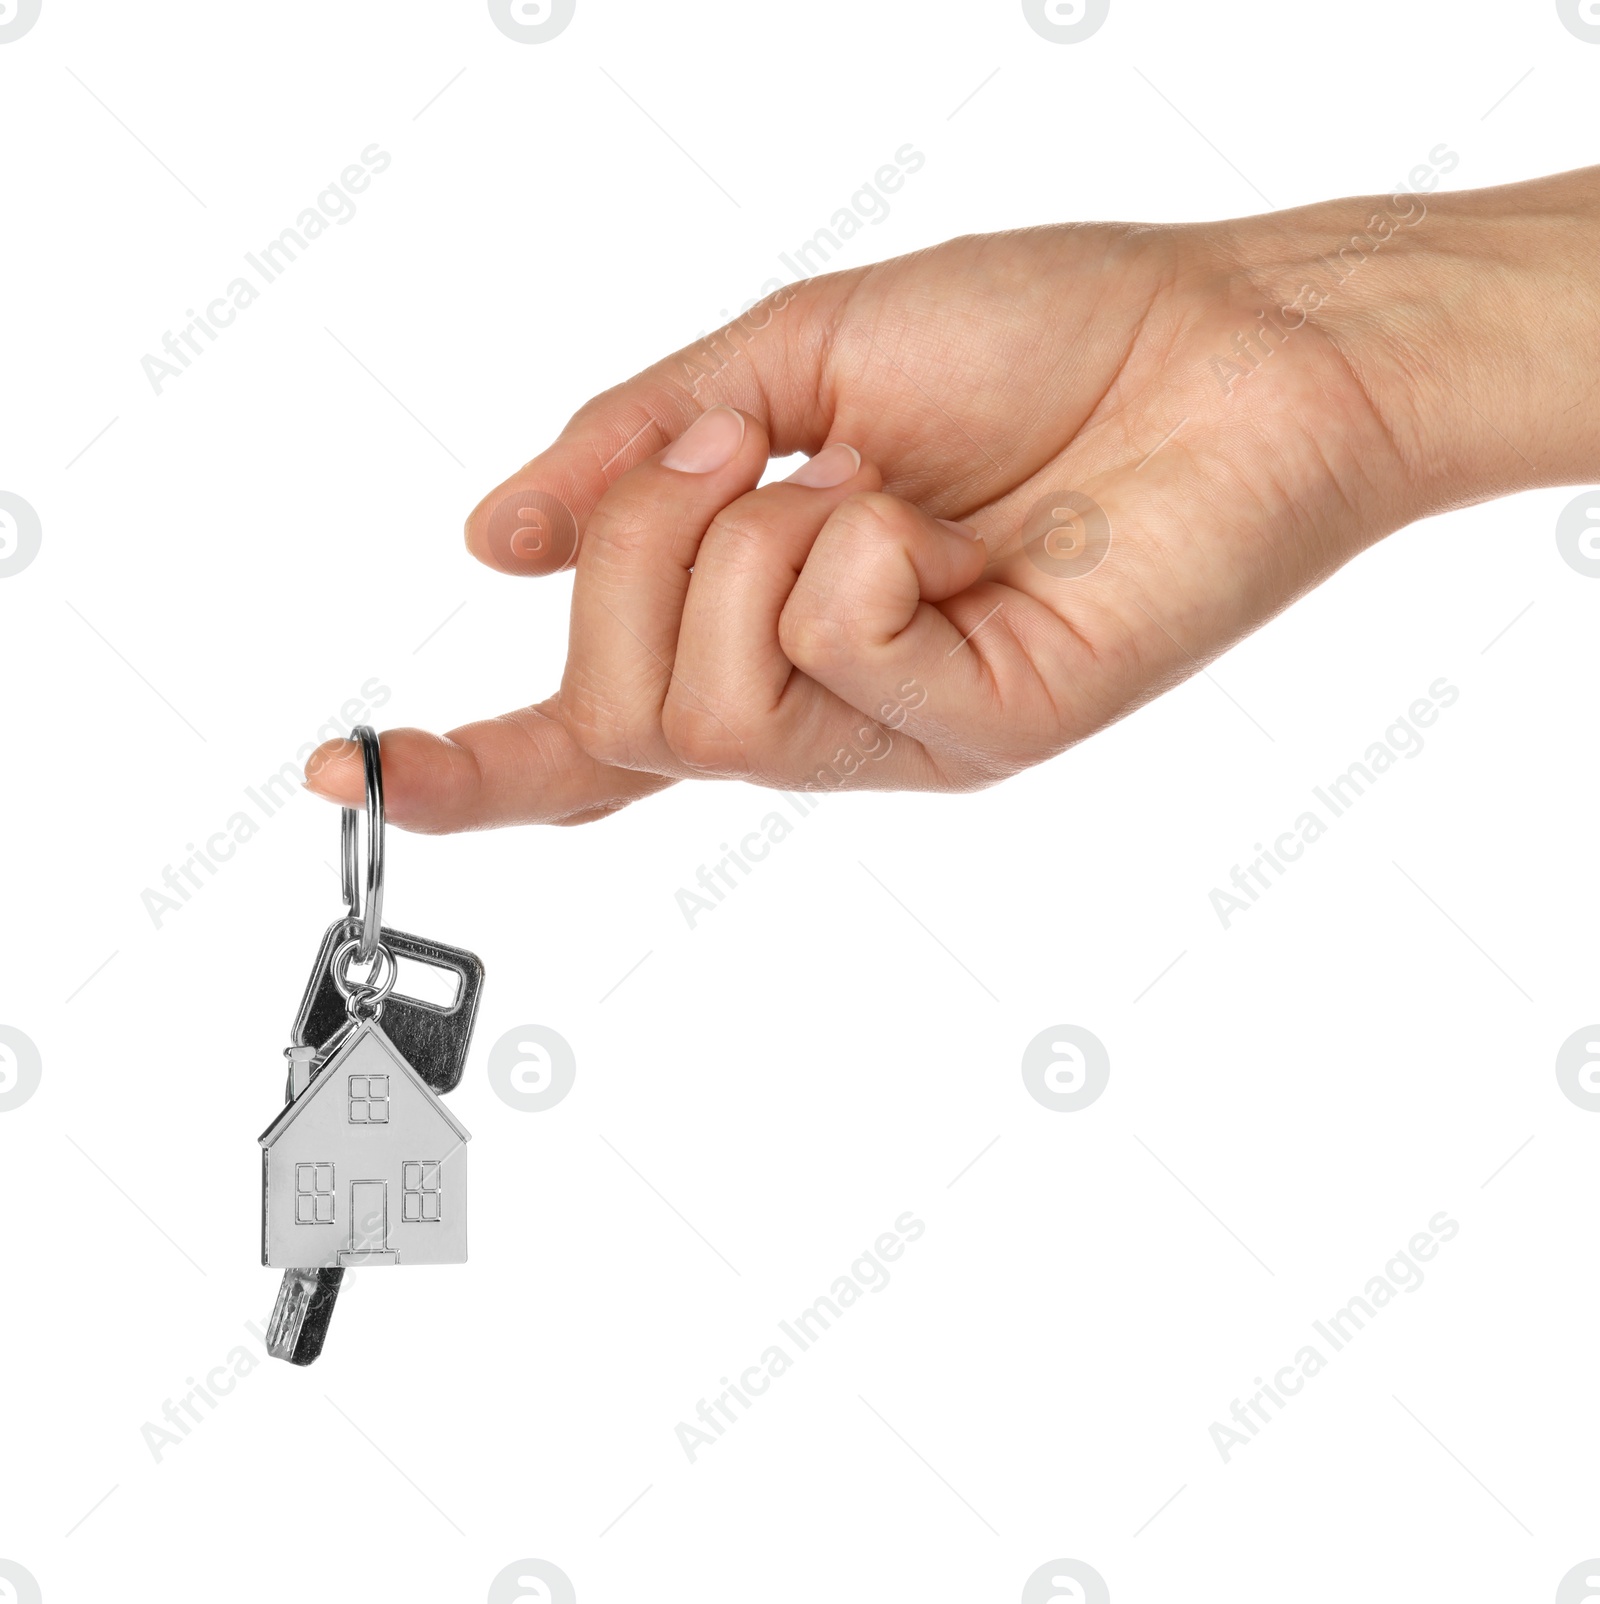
<point>365,1165</point>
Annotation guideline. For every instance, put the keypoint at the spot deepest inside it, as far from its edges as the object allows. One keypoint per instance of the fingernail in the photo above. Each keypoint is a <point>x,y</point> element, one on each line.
<point>961,529</point>
<point>709,442</point>
<point>831,466</point>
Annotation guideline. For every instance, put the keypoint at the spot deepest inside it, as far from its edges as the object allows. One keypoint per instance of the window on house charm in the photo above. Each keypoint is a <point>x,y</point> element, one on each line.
<point>369,1099</point>
<point>420,1178</point>
<point>313,1194</point>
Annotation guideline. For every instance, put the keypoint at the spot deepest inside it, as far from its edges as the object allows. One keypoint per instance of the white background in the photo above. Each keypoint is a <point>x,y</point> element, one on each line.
<point>226,565</point>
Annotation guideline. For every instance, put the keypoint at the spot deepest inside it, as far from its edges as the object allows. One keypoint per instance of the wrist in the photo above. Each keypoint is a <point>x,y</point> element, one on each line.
<point>1471,321</point>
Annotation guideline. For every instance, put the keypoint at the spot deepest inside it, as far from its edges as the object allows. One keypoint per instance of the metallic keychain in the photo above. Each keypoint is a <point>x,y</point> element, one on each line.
<point>365,1166</point>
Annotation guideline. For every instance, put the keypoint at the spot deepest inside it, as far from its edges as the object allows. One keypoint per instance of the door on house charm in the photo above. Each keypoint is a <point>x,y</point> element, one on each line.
<point>369,1216</point>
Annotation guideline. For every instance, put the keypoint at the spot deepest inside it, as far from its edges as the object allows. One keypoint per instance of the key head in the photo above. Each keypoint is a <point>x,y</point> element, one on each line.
<point>432,1039</point>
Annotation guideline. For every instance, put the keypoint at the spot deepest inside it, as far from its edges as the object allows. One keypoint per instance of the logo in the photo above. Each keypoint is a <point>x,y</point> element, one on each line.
<point>1066,22</point>
<point>16,17</point>
<point>1578,1068</point>
<point>20,1072</point>
<point>531,22</point>
<point>1578,530</point>
<point>1067,535</point>
<point>531,526</point>
<point>1066,1581</point>
<point>17,1584</point>
<point>532,1068</point>
<point>535,1581</point>
<point>20,533</point>
<point>1580,1584</point>
<point>1581,18</point>
<point>1065,1068</point>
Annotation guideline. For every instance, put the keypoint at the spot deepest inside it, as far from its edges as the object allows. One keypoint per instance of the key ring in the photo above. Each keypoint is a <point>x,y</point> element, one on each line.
<point>368,737</point>
<point>363,999</point>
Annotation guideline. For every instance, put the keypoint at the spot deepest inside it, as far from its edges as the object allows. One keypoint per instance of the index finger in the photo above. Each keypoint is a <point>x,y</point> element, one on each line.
<point>524,768</point>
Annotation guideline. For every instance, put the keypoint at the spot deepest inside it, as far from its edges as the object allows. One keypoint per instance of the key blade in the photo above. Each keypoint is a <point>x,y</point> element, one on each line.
<point>299,1323</point>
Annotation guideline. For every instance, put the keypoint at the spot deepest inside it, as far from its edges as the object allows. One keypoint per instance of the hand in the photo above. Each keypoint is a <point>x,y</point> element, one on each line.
<point>1160,437</point>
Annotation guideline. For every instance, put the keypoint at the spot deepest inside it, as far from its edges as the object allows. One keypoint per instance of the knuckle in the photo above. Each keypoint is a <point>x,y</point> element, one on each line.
<point>870,516</point>
<point>620,535</point>
<point>699,740</point>
<point>739,534</point>
<point>834,617</point>
<point>624,416</point>
<point>602,731</point>
<point>815,637</point>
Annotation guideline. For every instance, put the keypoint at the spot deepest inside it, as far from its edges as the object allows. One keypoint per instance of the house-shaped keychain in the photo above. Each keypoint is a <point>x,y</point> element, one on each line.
<point>365,1165</point>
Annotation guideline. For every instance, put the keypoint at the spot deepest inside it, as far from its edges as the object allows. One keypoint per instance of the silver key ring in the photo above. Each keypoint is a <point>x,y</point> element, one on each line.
<point>373,922</point>
<point>364,999</point>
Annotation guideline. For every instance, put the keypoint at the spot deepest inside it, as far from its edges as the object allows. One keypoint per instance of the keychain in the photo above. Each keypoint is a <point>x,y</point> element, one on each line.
<point>365,1165</point>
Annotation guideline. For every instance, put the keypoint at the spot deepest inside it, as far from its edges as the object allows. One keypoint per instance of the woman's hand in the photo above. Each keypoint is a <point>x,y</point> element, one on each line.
<point>1052,474</point>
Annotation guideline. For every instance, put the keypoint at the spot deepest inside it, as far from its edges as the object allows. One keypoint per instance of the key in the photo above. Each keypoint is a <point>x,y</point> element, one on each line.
<point>300,1318</point>
<point>340,1182</point>
<point>432,1039</point>
<point>364,1165</point>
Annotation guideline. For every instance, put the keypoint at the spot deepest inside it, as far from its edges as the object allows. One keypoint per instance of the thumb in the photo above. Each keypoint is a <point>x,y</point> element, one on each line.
<point>768,362</point>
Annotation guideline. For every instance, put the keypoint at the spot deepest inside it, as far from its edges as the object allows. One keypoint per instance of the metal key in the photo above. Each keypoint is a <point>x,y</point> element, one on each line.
<point>433,1040</point>
<point>300,1318</point>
